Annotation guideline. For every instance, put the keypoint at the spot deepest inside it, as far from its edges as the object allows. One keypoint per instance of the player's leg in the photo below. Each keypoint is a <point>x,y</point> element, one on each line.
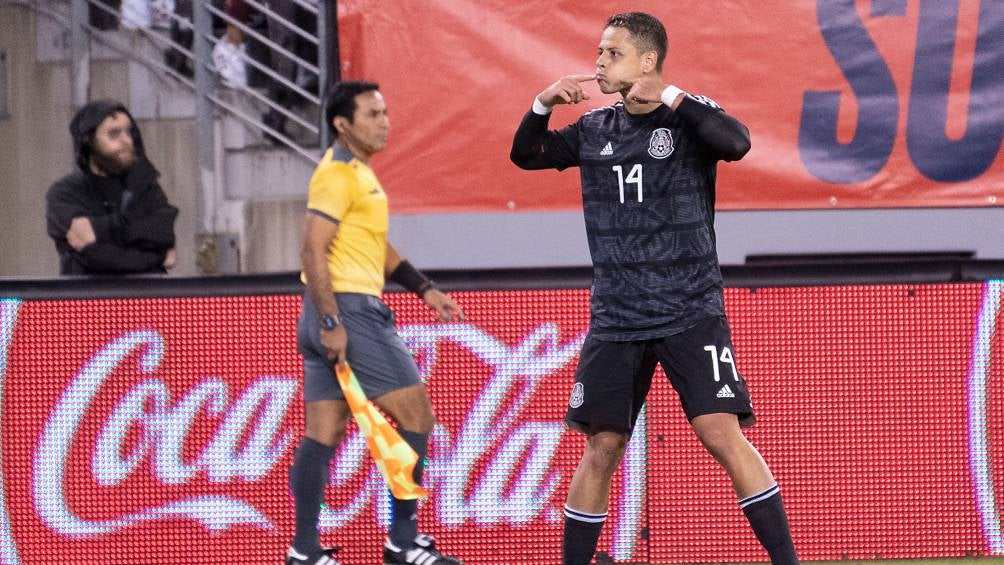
<point>722,436</point>
<point>611,382</point>
<point>759,495</point>
<point>326,414</point>
<point>389,377</point>
<point>589,495</point>
<point>701,364</point>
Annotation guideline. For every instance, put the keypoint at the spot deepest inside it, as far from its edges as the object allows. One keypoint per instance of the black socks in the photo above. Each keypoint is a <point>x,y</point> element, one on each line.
<point>404,513</point>
<point>307,478</point>
<point>582,532</point>
<point>765,512</point>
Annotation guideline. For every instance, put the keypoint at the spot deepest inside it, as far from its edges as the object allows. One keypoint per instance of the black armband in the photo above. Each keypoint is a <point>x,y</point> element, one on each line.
<point>411,278</point>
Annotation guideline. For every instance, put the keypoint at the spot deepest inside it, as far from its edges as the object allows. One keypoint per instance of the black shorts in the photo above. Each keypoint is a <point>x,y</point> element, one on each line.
<point>613,377</point>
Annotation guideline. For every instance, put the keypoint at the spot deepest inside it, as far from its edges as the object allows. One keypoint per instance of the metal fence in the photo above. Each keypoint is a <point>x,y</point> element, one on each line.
<point>205,82</point>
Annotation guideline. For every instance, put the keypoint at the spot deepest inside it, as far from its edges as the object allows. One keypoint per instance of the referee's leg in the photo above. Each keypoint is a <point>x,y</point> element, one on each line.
<point>308,476</point>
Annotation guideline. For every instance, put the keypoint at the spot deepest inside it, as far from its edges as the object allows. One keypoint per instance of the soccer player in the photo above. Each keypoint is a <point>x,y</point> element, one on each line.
<point>345,257</point>
<point>647,165</point>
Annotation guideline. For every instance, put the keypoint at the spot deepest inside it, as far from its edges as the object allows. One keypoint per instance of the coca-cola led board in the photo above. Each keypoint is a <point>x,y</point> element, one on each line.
<point>161,430</point>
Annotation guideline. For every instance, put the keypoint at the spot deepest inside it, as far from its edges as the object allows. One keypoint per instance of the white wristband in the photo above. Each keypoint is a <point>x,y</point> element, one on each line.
<point>539,108</point>
<point>670,94</point>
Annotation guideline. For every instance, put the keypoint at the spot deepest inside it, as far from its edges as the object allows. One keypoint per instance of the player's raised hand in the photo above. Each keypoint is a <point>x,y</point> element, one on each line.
<point>566,90</point>
<point>646,90</point>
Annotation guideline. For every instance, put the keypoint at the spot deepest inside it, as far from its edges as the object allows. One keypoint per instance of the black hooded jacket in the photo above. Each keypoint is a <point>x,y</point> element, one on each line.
<point>132,219</point>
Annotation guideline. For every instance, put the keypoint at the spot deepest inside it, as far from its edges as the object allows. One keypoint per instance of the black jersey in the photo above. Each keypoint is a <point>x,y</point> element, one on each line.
<point>648,195</point>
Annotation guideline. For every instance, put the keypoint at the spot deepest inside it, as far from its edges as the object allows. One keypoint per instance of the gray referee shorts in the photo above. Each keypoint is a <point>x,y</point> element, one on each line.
<point>375,351</point>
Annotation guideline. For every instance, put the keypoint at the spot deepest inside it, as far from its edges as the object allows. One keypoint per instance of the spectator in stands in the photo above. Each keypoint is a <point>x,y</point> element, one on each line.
<point>281,34</point>
<point>229,53</point>
<point>110,216</point>
<point>229,46</point>
<point>182,34</point>
<point>102,14</point>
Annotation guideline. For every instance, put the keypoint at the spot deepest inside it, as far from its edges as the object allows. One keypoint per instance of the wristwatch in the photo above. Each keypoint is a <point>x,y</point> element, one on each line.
<point>330,321</point>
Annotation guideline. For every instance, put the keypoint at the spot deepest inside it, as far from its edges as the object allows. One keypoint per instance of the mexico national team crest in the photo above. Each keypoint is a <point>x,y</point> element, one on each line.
<point>578,396</point>
<point>660,145</point>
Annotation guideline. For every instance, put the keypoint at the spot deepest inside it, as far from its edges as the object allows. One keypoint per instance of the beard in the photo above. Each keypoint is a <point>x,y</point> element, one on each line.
<point>112,163</point>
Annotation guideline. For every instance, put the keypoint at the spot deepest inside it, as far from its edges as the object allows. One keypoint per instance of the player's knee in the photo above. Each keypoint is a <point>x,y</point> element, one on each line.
<point>604,451</point>
<point>719,441</point>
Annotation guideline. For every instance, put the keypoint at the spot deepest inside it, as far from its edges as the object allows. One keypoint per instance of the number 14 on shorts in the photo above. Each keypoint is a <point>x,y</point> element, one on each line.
<point>724,357</point>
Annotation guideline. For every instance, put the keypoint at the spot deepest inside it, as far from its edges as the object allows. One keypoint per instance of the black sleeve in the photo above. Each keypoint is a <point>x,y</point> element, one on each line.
<point>726,137</point>
<point>111,258</point>
<point>534,147</point>
<point>63,203</point>
<point>60,208</point>
<point>106,227</point>
<point>149,222</point>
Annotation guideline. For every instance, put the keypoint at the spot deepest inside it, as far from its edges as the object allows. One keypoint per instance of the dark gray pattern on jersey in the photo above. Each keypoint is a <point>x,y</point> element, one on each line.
<point>655,266</point>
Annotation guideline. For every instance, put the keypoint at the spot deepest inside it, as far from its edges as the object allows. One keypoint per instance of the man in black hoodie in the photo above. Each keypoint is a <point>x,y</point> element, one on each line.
<point>110,216</point>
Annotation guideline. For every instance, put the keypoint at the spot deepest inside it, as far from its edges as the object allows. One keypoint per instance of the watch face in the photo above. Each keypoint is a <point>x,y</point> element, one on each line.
<point>328,322</point>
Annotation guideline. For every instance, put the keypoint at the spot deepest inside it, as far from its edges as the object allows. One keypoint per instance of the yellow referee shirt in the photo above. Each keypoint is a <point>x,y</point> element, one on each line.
<point>345,190</point>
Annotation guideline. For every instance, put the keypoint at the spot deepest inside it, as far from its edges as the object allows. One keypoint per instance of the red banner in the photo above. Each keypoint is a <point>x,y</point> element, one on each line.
<point>851,104</point>
<point>155,430</point>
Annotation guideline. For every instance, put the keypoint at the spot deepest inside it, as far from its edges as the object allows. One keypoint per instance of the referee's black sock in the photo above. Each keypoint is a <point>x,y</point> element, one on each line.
<point>765,511</point>
<point>404,513</point>
<point>582,531</point>
<point>307,478</point>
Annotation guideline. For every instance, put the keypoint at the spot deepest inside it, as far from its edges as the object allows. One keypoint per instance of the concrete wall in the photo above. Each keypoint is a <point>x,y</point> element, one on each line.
<point>35,150</point>
<point>543,239</point>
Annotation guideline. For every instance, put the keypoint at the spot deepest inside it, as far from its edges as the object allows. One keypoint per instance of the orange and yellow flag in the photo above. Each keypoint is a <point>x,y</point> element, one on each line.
<point>393,456</point>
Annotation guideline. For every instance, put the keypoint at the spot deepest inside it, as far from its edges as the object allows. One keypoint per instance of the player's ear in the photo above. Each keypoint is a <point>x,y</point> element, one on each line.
<point>648,61</point>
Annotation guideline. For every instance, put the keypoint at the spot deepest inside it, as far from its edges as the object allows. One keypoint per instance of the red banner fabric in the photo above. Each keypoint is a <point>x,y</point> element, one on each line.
<point>850,104</point>
<point>161,430</point>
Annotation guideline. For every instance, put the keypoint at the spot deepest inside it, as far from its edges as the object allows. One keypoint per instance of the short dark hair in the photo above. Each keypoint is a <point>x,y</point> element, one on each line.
<point>647,33</point>
<point>342,100</point>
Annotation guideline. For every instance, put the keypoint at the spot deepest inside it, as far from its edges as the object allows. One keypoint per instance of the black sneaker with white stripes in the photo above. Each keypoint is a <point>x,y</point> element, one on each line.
<point>325,557</point>
<point>423,552</point>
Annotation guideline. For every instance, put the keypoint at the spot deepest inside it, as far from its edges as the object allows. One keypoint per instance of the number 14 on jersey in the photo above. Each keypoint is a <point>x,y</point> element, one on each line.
<point>633,177</point>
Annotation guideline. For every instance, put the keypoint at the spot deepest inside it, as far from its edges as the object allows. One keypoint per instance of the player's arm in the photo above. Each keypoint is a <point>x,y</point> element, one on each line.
<point>405,274</point>
<point>319,231</point>
<point>726,137</point>
<point>534,146</point>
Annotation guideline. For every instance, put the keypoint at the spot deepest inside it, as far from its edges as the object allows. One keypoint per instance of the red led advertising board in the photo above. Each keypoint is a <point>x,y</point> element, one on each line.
<point>161,430</point>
